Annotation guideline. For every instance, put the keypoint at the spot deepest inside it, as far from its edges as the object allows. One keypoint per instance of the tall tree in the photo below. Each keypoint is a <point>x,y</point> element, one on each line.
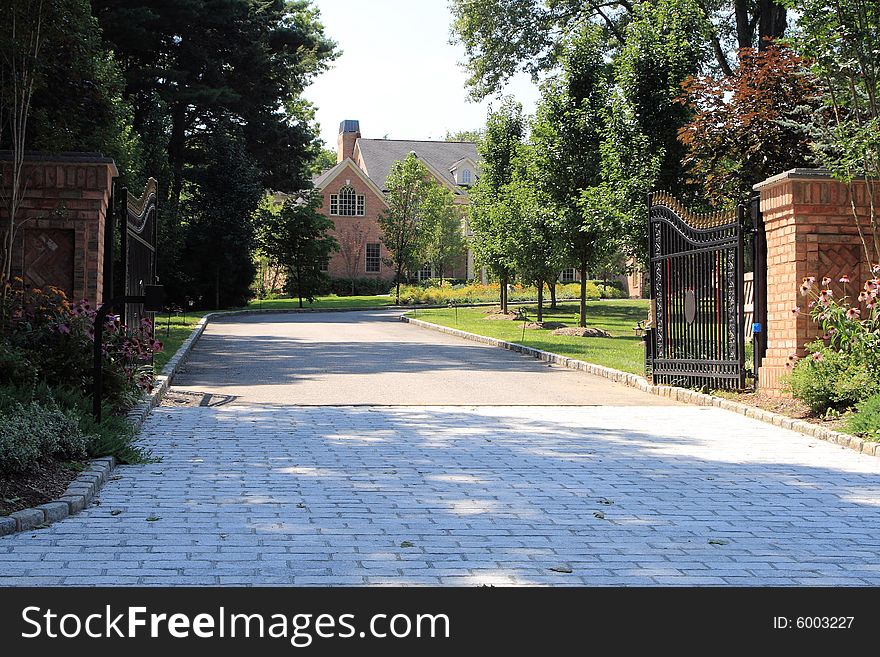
<point>491,220</point>
<point>442,238</point>
<point>567,135</point>
<point>539,245</point>
<point>196,67</point>
<point>219,236</point>
<point>502,37</point>
<point>464,135</point>
<point>297,236</point>
<point>408,186</point>
<point>325,159</point>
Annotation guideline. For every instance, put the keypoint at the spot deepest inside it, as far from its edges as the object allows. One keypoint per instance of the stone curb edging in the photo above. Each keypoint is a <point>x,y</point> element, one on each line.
<point>79,495</point>
<point>679,394</point>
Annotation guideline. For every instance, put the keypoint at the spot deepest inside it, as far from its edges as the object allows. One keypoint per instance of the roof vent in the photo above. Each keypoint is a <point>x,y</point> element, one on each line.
<point>349,125</point>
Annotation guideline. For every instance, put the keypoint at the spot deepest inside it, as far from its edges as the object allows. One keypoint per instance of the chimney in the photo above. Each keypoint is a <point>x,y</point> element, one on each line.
<point>349,131</point>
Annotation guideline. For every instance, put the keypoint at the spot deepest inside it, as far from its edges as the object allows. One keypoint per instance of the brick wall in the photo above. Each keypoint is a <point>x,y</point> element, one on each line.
<point>60,222</point>
<point>373,207</point>
<point>810,232</point>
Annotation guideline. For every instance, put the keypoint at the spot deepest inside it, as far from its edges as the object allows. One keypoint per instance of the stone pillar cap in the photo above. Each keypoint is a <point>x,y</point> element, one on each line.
<point>70,157</point>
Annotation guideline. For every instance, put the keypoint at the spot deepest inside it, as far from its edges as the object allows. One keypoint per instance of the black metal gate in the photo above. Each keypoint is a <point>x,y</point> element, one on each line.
<point>138,247</point>
<point>697,337</point>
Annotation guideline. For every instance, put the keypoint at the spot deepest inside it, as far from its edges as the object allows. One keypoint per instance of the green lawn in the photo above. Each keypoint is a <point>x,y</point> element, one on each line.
<point>171,340</point>
<point>624,351</point>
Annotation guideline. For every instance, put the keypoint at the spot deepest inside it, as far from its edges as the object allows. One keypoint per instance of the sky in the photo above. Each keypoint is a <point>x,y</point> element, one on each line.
<point>398,75</point>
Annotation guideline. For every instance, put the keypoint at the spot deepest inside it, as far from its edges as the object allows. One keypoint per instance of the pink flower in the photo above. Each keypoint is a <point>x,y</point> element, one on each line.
<point>862,297</point>
<point>796,310</point>
<point>875,268</point>
<point>816,356</point>
<point>853,313</point>
<point>844,279</point>
<point>826,281</point>
<point>64,329</point>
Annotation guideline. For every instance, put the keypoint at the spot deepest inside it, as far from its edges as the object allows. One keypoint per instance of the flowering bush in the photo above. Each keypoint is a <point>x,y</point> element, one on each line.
<point>843,366</point>
<point>47,334</point>
<point>411,295</point>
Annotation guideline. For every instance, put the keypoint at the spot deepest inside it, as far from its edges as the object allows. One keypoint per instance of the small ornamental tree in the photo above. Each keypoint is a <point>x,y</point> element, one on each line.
<point>539,248</point>
<point>408,186</point>
<point>491,217</point>
<point>750,125</point>
<point>442,240</point>
<point>296,236</point>
<point>352,243</point>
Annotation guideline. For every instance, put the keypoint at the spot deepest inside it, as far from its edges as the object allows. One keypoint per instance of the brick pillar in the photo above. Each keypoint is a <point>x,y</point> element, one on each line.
<point>60,222</point>
<point>810,232</point>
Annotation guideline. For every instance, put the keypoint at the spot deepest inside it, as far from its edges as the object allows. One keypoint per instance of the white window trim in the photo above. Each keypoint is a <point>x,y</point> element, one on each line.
<point>377,258</point>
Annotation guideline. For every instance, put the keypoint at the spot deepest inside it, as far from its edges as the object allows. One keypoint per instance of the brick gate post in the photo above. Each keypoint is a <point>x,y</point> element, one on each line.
<point>810,232</point>
<point>60,222</point>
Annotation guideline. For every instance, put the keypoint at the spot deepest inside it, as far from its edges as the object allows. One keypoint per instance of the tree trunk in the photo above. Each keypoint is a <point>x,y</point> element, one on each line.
<point>552,286</point>
<point>299,287</point>
<point>217,289</point>
<point>582,321</point>
<point>397,285</point>
<point>540,301</point>
<point>504,292</point>
<point>771,21</point>
<point>176,149</point>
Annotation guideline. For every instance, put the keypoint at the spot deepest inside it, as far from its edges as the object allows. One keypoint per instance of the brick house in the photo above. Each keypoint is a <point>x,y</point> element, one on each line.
<point>353,197</point>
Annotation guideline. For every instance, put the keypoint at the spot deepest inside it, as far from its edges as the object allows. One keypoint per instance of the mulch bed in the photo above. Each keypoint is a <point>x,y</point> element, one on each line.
<point>549,326</point>
<point>45,482</point>
<point>500,315</point>
<point>793,408</point>
<point>582,332</point>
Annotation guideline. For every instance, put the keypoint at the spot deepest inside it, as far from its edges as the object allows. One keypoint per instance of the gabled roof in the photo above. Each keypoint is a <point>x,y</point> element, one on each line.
<point>458,163</point>
<point>380,154</point>
<point>347,164</point>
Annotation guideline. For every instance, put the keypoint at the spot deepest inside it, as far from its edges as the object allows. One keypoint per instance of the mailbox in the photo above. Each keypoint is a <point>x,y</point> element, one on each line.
<point>154,298</point>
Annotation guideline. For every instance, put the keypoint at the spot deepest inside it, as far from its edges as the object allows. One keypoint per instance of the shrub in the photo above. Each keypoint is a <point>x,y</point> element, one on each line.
<point>362,287</point>
<point>866,420</point>
<point>43,331</point>
<point>33,431</point>
<point>831,379</point>
<point>113,436</point>
<point>15,368</point>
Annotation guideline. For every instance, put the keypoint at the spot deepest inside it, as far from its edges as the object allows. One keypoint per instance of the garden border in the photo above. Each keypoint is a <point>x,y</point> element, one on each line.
<point>679,394</point>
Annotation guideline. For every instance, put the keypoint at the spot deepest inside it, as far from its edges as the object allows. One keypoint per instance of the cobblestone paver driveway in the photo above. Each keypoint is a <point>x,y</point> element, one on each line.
<point>257,493</point>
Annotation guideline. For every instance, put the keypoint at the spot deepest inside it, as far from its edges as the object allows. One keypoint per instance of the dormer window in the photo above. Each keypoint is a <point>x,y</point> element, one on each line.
<point>347,203</point>
<point>466,177</point>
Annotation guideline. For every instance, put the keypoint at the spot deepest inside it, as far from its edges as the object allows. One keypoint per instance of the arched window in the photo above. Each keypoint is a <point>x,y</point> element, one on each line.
<point>347,203</point>
<point>466,177</point>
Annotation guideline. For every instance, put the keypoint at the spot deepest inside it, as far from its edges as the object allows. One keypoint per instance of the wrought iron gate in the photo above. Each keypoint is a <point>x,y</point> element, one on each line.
<point>138,233</point>
<point>697,337</point>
